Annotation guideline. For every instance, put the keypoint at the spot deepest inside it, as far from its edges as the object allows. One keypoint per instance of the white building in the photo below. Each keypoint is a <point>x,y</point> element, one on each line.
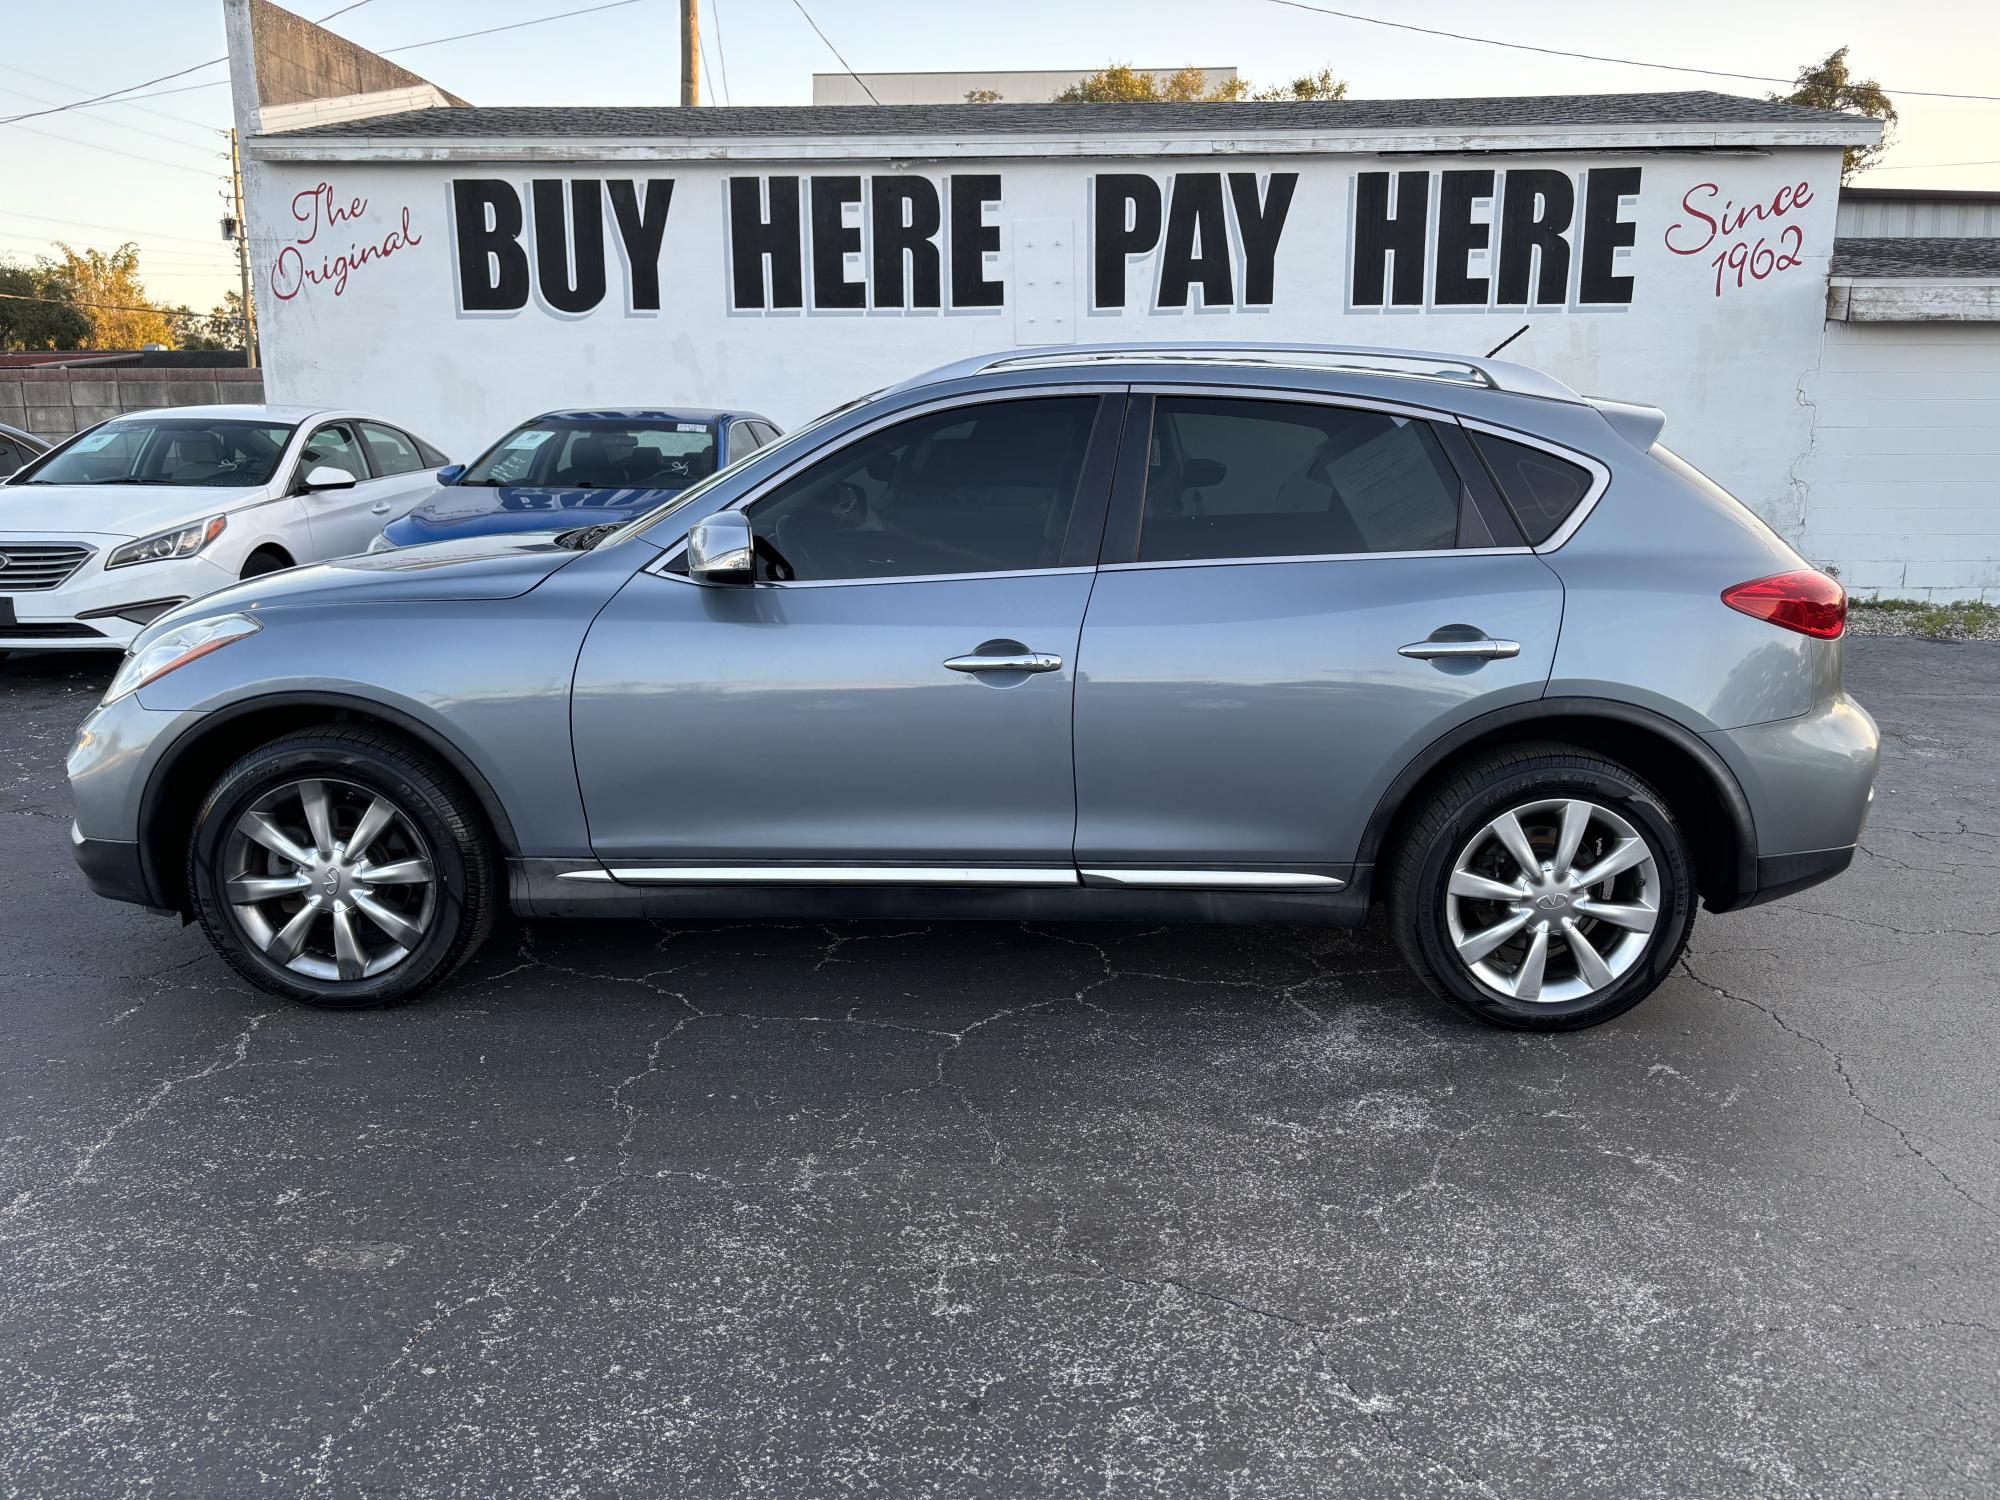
<point>466,267</point>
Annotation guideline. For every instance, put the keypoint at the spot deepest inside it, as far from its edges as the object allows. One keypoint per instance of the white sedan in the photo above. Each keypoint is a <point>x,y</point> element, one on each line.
<point>109,530</point>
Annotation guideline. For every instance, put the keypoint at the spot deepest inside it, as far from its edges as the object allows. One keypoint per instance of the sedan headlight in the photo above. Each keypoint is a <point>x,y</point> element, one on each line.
<point>184,542</point>
<point>381,543</point>
<point>176,648</point>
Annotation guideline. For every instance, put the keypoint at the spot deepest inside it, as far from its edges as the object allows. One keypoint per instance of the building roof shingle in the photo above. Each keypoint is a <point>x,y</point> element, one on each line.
<point>1944,259</point>
<point>661,122</point>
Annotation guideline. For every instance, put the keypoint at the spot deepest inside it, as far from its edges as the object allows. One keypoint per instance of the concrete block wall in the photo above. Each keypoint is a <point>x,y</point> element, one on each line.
<point>1903,475</point>
<point>52,404</point>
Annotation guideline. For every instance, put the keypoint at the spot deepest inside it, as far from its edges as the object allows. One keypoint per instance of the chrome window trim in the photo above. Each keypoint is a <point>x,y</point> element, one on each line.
<point>1285,393</point>
<point>1600,476</point>
<point>835,874</point>
<point>1315,557</point>
<point>855,583</point>
<point>869,429</point>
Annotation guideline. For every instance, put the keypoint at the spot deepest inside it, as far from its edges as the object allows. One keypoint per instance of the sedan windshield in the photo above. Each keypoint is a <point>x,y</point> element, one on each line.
<point>168,451</point>
<point>558,453</point>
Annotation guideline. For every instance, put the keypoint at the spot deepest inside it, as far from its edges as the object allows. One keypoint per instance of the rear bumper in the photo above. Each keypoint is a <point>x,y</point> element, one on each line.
<point>112,868</point>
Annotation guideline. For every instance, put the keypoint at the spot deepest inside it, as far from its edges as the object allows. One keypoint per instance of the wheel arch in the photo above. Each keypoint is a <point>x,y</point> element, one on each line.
<point>1703,792</point>
<point>179,781</point>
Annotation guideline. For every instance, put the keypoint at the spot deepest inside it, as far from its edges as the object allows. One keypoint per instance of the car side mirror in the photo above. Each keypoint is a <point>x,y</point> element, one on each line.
<point>451,473</point>
<point>327,477</point>
<point>722,549</point>
<point>1198,473</point>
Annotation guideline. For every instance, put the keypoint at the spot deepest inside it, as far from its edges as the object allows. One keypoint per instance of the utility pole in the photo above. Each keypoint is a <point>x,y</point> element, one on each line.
<point>690,53</point>
<point>241,226</point>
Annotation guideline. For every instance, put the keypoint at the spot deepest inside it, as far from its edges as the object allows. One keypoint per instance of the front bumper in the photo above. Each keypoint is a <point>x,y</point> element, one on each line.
<point>113,869</point>
<point>82,612</point>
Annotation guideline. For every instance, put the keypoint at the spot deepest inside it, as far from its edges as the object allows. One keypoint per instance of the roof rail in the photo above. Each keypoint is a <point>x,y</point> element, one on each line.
<point>1495,374</point>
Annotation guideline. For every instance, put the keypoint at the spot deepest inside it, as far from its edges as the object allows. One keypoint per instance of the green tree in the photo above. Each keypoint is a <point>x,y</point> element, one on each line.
<point>43,324</point>
<point>220,329</point>
<point>1121,84</point>
<point>1830,84</point>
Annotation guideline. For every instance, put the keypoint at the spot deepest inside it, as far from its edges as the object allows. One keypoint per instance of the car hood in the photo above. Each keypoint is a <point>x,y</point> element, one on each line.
<point>115,510</point>
<point>500,567</point>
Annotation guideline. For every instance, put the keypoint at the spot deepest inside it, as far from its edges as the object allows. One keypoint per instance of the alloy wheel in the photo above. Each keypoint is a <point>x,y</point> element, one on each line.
<point>329,879</point>
<point>1552,901</point>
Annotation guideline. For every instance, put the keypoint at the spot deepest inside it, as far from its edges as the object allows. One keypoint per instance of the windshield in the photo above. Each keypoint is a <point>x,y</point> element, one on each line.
<point>555,453</point>
<point>169,451</point>
<point>789,443</point>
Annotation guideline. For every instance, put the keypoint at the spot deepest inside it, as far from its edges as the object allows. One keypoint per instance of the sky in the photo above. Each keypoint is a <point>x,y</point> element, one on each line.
<point>155,171</point>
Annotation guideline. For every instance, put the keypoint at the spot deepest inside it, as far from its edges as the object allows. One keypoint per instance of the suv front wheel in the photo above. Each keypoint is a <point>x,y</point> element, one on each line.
<point>1543,888</point>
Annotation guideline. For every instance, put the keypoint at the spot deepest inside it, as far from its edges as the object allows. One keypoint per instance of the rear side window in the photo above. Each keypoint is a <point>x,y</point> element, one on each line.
<point>1541,489</point>
<point>1242,478</point>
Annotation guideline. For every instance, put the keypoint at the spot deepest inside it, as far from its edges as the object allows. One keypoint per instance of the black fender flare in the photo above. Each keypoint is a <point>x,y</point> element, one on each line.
<point>1734,804</point>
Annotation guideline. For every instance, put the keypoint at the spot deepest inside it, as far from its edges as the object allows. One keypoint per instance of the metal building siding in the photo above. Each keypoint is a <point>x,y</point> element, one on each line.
<point>1901,218</point>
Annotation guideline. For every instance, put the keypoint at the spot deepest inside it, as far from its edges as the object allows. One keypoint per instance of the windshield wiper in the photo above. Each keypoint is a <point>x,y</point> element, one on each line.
<point>583,538</point>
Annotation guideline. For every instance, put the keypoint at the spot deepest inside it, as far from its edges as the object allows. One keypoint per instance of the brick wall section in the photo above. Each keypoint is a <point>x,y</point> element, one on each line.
<point>53,404</point>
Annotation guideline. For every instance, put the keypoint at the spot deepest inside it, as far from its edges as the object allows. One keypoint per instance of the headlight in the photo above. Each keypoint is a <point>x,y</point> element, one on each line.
<point>185,542</point>
<point>381,543</point>
<point>176,648</point>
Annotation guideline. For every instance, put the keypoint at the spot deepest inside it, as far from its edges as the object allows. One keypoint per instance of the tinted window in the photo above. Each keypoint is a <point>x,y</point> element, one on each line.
<point>983,489</point>
<point>743,439</point>
<point>766,433</point>
<point>599,455</point>
<point>392,452</point>
<point>1230,478</point>
<point>1541,488</point>
<point>12,455</point>
<point>336,447</point>
<point>433,457</point>
<point>169,451</point>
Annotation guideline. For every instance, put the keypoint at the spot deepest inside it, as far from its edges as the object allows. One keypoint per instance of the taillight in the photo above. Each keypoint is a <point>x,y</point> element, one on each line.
<point>1806,601</point>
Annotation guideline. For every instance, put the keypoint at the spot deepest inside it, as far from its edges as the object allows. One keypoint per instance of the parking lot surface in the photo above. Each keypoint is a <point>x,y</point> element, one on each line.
<point>992,1210</point>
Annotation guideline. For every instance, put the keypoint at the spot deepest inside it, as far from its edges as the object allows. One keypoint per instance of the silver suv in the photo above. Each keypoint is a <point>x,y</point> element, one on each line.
<point>1215,633</point>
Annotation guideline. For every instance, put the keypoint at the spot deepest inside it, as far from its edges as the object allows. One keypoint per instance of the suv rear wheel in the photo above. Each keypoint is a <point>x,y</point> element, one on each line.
<point>1543,888</point>
<point>341,868</point>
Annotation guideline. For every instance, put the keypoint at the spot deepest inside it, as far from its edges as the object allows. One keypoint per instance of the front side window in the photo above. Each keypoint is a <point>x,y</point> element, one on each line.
<point>392,452</point>
<point>170,451</point>
<point>333,446</point>
<point>556,453</point>
<point>979,489</point>
<point>1229,478</point>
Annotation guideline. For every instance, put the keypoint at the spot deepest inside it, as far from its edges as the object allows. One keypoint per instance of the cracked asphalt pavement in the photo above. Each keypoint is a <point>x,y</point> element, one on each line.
<point>753,1210</point>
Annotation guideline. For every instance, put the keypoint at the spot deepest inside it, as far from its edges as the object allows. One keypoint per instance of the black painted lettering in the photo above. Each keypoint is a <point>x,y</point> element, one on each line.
<point>492,267</point>
<point>1605,234</point>
<point>972,239</point>
<point>906,216</point>
<point>1385,236</point>
<point>642,229</point>
<point>1536,207</point>
<point>1258,225</point>
<point>571,276</point>
<point>1125,220</point>
<point>758,239</point>
<point>1197,244</point>
<point>1458,235</point>
<point>833,240</point>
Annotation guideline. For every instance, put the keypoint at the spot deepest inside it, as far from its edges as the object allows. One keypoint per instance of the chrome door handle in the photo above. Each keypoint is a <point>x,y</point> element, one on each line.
<point>380,508</point>
<point>1459,650</point>
<point>1027,661</point>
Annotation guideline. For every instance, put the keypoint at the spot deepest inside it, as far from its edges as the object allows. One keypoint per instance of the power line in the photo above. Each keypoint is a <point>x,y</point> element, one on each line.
<point>158,161</point>
<point>165,312</point>
<point>75,88</point>
<point>722,57</point>
<point>1922,166</point>
<point>1624,62</point>
<point>9,213</point>
<point>836,52</point>
<point>515,26</point>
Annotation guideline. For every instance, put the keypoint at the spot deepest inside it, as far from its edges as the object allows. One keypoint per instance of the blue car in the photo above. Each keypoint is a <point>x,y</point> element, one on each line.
<point>565,469</point>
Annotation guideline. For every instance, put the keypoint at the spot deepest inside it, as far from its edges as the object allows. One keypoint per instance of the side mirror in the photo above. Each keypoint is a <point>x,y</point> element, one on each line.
<point>327,477</point>
<point>1199,473</point>
<point>451,473</point>
<point>721,549</point>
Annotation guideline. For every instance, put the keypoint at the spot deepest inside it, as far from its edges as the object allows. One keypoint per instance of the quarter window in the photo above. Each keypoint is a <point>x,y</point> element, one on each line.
<point>981,489</point>
<point>1242,478</point>
<point>1540,488</point>
<point>391,451</point>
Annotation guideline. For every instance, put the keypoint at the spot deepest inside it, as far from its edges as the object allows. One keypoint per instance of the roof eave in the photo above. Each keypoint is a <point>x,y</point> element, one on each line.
<point>358,146</point>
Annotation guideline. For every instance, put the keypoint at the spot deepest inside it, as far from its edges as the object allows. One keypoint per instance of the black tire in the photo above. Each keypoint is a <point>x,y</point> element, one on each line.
<point>466,875</point>
<point>263,561</point>
<point>1484,789</point>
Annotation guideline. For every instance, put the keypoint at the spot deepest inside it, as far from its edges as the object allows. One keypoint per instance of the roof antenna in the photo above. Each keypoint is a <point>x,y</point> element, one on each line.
<point>1506,341</point>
